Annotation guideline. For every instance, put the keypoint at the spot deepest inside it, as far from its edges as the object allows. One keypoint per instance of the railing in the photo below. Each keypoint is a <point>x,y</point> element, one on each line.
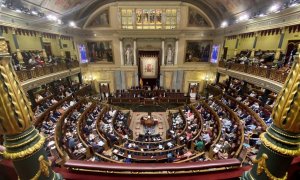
<point>273,74</point>
<point>155,168</point>
<point>45,70</point>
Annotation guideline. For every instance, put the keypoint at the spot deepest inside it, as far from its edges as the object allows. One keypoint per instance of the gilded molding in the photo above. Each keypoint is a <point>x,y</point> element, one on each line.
<point>284,134</point>
<point>286,112</point>
<point>44,168</point>
<point>23,143</point>
<point>262,167</point>
<point>15,114</point>
<point>26,152</point>
<point>278,149</point>
<point>3,47</point>
<point>18,138</point>
<point>153,172</point>
<point>281,140</point>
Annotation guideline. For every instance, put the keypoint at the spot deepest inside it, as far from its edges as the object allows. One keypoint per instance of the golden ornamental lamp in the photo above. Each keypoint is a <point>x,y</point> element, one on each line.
<point>23,143</point>
<point>281,141</point>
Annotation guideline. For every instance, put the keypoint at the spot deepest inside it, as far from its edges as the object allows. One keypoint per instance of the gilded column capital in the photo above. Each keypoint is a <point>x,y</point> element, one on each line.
<point>15,111</point>
<point>286,112</point>
<point>3,46</point>
<point>281,142</point>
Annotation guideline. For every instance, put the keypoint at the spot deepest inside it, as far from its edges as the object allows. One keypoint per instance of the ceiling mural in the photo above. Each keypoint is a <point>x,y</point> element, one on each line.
<point>101,20</point>
<point>225,7</point>
<point>234,6</point>
<point>59,6</point>
<point>216,10</point>
<point>196,19</point>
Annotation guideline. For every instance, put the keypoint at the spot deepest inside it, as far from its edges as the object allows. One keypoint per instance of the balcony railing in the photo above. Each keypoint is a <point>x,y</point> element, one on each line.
<point>25,75</point>
<point>273,74</point>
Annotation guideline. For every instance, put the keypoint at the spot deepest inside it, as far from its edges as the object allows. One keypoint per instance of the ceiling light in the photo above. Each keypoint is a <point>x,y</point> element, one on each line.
<point>18,11</point>
<point>72,24</point>
<point>243,18</point>
<point>51,17</point>
<point>224,24</point>
<point>274,8</point>
<point>95,34</point>
<point>59,21</point>
<point>34,12</point>
<point>294,4</point>
<point>261,15</point>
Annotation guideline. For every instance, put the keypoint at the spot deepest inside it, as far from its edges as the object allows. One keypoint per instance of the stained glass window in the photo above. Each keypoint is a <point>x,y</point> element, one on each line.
<point>127,18</point>
<point>149,18</point>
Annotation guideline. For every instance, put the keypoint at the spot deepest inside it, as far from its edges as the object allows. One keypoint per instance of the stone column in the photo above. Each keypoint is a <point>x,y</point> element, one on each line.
<point>254,46</point>
<point>134,52</point>
<point>278,50</point>
<point>43,47</point>
<point>163,52</point>
<point>176,52</point>
<point>280,142</point>
<point>62,53</point>
<point>121,52</point>
<point>161,79</point>
<point>137,81</point>
<point>236,46</point>
<point>24,145</point>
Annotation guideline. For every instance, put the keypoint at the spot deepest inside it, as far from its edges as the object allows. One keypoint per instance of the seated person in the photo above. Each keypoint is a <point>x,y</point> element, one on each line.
<point>199,145</point>
<point>38,97</point>
<point>186,154</point>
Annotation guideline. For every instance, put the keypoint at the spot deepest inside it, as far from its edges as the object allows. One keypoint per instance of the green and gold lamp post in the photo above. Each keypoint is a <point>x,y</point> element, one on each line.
<point>23,143</point>
<point>281,142</point>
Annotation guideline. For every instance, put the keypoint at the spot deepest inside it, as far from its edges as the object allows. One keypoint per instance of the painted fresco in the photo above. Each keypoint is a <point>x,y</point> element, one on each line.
<point>196,19</point>
<point>101,20</point>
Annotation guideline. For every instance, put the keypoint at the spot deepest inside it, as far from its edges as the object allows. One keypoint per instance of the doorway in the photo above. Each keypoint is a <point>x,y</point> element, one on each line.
<point>149,68</point>
<point>8,47</point>
<point>291,51</point>
<point>225,53</point>
<point>104,90</point>
<point>193,90</point>
<point>68,54</point>
<point>48,50</point>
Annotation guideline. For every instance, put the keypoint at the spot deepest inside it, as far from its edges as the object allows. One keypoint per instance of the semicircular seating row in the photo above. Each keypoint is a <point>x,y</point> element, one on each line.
<point>219,128</point>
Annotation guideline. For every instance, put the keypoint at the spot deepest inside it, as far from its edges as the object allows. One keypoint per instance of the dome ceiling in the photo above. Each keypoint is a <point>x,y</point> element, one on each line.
<point>217,10</point>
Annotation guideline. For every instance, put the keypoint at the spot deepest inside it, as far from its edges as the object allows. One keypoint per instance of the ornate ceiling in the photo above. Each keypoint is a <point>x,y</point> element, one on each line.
<point>217,10</point>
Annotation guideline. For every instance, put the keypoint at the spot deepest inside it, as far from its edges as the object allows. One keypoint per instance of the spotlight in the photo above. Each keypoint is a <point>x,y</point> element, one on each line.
<point>274,8</point>
<point>72,24</point>
<point>34,12</point>
<point>224,24</point>
<point>261,15</point>
<point>243,18</point>
<point>52,17</point>
<point>294,4</point>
